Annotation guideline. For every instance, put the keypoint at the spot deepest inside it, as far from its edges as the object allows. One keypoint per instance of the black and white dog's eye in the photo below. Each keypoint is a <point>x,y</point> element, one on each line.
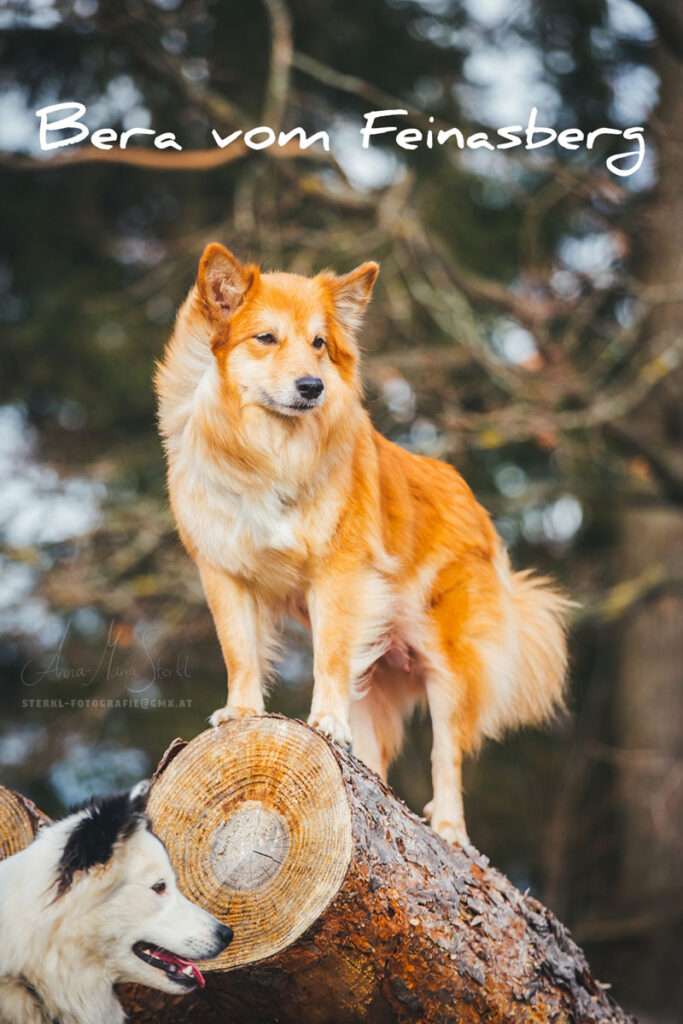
<point>159,888</point>
<point>266,338</point>
<point>318,342</point>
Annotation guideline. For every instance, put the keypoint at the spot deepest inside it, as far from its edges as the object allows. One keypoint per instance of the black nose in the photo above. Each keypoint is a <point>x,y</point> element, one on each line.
<point>309,387</point>
<point>224,934</point>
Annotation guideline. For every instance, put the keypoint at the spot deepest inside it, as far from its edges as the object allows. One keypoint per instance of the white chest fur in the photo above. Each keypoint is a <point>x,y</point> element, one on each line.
<point>235,529</point>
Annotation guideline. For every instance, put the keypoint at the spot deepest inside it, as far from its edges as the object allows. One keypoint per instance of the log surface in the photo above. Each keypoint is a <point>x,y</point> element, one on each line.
<point>358,912</point>
<point>415,930</point>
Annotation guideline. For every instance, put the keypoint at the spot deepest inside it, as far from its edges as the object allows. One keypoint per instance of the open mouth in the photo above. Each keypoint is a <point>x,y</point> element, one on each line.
<point>178,970</point>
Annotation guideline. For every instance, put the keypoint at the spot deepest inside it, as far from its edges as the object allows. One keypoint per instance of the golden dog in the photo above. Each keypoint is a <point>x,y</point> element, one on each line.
<point>290,502</point>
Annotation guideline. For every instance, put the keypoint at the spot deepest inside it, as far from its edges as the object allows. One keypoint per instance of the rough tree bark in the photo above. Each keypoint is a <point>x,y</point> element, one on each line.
<point>346,906</point>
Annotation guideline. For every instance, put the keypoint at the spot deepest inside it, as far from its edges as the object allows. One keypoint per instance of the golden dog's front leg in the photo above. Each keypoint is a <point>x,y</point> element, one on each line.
<point>349,614</point>
<point>246,634</point>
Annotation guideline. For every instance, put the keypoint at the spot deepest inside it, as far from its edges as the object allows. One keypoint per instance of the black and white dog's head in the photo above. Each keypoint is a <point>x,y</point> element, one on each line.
<point>116,872</point>
<point>92,902</point>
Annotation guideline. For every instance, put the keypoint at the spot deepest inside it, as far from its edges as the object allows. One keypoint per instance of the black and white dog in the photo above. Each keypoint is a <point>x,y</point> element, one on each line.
<point>93,901</point>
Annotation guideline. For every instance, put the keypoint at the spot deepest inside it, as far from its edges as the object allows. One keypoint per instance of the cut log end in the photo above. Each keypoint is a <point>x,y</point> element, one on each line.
<point>20,819</point>
<point>255,818</point>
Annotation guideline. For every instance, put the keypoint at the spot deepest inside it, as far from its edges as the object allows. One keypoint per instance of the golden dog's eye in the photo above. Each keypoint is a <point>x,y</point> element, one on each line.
<point>159,888</point>
<point>318,342</point>
<point>266,338</point>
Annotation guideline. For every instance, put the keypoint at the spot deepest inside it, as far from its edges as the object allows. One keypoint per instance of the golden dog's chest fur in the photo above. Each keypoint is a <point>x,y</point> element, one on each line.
<point>291,505</point>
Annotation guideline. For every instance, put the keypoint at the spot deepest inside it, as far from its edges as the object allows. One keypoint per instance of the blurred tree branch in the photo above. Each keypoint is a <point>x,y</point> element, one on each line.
<point>161,160</point>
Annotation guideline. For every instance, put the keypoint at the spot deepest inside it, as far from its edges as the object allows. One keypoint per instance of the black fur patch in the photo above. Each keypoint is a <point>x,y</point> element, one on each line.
<point>109,820</point>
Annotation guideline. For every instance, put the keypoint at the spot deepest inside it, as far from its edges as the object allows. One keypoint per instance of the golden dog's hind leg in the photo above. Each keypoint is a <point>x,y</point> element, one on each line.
<point>378,716</point>
<point>445,809</point>
<point>348,613</point>
<point>464,621</point>
<point>368,743</point>
<point>246,633</point>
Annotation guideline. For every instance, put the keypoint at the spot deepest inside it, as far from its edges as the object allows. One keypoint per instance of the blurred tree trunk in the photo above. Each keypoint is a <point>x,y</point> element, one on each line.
<point>650,713</point>
<point>649,698</point>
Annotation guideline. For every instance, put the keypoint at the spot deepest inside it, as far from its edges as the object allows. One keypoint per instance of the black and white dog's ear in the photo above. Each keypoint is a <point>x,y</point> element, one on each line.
<point>98,828</point>
<point>139,795</point>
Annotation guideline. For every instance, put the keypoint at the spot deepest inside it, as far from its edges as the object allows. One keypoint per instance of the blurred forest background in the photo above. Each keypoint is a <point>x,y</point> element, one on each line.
<point>527,326</point>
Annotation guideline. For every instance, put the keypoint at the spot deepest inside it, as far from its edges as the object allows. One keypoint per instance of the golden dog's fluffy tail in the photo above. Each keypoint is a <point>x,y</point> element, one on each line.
<point>541,612</point>
<point>527,666</point>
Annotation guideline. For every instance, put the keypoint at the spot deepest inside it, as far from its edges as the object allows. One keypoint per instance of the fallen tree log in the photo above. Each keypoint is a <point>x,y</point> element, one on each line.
<point>346,907</point>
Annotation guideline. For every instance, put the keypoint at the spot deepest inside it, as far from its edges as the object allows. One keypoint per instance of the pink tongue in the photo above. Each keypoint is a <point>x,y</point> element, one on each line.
<point>171,958</point>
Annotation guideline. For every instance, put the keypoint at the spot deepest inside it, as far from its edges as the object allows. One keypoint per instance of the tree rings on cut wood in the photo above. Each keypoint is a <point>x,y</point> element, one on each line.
<point>256,821</point>
<point>19,822</point>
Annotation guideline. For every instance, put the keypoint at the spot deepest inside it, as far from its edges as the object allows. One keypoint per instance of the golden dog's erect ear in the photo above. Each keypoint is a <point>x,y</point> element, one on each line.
<point>351,294</point>
<point>223,281</point>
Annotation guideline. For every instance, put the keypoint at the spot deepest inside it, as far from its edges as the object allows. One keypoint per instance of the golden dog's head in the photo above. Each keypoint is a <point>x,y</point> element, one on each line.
<point>283,342</point>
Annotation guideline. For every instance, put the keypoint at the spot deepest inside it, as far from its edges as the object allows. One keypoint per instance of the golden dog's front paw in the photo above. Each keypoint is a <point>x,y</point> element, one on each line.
<point>332,727</point>
<point>229,712</point>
